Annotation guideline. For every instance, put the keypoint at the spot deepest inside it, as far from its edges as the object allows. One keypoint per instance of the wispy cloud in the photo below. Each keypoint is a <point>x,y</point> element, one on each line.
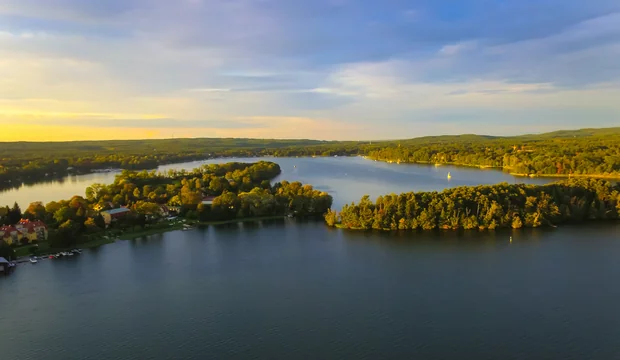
<point>361,69</point>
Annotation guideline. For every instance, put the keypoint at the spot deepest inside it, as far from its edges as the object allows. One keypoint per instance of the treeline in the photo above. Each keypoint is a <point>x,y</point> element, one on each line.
<point>237,190</point>
<point>584,153</point>
<point>485,207</point>
<point>32,161</point>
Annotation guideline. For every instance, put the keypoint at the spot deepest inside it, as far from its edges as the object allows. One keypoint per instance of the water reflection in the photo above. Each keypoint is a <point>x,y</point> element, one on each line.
<point>346,178</point>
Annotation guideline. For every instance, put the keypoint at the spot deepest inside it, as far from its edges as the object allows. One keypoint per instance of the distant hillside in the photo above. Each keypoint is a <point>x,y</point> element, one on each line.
<point>565,134</point>
<point>586,152</point>
<point>574,152</point>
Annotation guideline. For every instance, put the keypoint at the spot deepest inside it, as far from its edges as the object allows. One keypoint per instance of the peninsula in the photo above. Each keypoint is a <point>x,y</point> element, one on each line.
<point>485,207</point>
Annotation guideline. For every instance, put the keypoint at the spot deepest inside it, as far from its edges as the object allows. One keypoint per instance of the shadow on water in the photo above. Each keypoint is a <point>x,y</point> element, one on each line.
<point>465,239</point>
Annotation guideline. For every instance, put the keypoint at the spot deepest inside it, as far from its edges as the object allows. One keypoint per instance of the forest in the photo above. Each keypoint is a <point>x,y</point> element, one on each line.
<point>240,190</point>
<point>593,152</point>
<point>587,152</point>
<point>36,161</point>
<point>485,207</point>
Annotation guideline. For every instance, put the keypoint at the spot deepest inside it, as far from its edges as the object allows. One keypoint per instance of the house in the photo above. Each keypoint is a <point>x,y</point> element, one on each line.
<point>32,230</point>
<point>208,200</point>
<point>173,210</point>
<point>24,232</point>
<point>114,214</point>
<point>10,235</point>
<point>164,210</point>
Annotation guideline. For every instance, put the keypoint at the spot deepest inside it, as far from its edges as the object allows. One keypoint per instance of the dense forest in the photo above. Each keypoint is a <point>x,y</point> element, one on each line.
<point>485,207</point>
<point>591,152</point>
<point>36,161</point>
<point>241,190</point>
<point>577,153</point>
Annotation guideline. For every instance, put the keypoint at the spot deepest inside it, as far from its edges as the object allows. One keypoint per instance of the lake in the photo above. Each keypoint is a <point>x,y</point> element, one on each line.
<point>346,178</point>
<point>292,289</point>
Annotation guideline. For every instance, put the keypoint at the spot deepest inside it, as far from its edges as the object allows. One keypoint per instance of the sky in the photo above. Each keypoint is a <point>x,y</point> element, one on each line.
<point>320,69</point>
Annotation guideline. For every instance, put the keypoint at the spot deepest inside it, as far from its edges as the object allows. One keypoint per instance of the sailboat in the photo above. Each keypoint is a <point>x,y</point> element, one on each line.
<point>449,176</point>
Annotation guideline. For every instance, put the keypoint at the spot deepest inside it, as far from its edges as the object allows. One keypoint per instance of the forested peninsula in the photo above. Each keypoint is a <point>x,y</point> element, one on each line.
<point>587,152</point>
<point>211,193</point>
<point>485,207</point>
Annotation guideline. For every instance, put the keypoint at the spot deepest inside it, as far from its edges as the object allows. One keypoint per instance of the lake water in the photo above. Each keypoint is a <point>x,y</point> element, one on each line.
<point>291,289</point>
<point>346,178</point>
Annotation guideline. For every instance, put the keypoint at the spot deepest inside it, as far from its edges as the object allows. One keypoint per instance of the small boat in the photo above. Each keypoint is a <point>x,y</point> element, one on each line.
<point>449,176</point>
<point>33,261</point>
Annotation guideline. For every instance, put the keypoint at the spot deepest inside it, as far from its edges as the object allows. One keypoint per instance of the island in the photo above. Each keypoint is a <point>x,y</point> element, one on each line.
<point>485,207</point>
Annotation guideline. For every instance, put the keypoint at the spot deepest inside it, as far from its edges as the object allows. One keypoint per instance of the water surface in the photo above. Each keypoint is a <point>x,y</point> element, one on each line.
<point>282,290</point>
<point>346,178</point>
<point>291,289</point>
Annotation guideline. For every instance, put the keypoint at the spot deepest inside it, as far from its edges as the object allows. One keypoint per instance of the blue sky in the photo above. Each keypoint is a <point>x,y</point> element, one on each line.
<point>324,69</point>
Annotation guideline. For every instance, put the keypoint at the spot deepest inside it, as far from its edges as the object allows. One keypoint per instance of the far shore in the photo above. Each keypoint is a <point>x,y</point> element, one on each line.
<point>504,169</point>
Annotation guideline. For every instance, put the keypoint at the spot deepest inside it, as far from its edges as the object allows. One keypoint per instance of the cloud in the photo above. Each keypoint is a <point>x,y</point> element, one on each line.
<point>361,69</point>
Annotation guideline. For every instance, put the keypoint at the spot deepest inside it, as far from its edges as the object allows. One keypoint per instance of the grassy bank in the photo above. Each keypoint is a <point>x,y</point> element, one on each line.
<point>153,230</point>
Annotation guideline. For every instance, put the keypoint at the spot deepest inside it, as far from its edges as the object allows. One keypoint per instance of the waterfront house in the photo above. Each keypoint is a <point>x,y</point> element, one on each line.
<point>208,200</point>
<point>5,266</point>
<point>10,235</point>
<point>24,232</point>
<point>164,210</point>
<point>32,230</point>
<point>114,214</point>
<point>173,210</point>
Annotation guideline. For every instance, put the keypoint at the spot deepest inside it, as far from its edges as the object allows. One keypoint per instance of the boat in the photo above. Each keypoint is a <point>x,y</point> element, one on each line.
<point>33,261</point>
<point>449,176</point>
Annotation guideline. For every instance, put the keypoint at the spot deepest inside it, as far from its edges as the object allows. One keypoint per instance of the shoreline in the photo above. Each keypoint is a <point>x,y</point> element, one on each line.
<point>105,239</point>
<point>503,169</point>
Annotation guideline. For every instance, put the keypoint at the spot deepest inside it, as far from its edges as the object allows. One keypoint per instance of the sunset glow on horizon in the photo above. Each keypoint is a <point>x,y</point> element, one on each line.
<point>333,70</point>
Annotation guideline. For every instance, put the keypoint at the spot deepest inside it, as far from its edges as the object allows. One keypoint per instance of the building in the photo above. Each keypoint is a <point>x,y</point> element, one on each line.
<point>114,214</point>
<point>164,210</point>
<point>5,266</point>
<point>24,232</point>
<point>32,230</point>
<point>10,235</point>
<point>208,200</point>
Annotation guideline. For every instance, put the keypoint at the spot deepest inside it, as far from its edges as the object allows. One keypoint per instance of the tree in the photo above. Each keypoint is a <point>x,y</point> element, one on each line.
<point>91,225</point>
<point>63,215</point>
<point>99,221</point>
<point>6,251</point>
<point>14,215</point>
<point>35,211</point>
<point>331,218</point>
